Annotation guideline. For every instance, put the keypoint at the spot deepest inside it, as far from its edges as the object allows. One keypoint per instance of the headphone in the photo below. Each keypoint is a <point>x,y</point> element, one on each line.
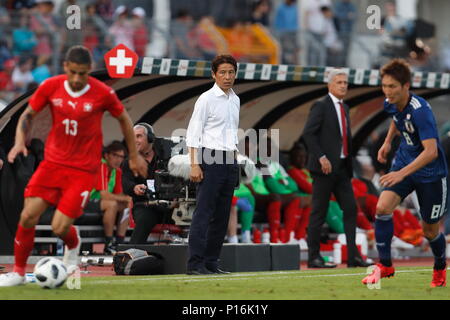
<point>150,132</point>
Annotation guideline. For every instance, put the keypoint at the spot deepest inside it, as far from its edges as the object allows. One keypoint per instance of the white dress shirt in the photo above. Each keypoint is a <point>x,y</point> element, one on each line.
<point>215,121</point>
<point>337,106</point>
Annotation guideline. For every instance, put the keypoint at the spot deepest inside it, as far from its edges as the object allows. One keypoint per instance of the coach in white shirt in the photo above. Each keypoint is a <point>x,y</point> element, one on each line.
<point>212,142</point>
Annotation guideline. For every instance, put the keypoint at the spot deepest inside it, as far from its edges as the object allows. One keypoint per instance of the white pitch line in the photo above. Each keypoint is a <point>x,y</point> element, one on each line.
<point>237,276</point>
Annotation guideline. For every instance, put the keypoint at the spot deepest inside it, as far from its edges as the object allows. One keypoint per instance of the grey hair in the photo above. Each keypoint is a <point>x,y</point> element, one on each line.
<point>336,72</point>
<point>141,126</point>
<point>146,128</point>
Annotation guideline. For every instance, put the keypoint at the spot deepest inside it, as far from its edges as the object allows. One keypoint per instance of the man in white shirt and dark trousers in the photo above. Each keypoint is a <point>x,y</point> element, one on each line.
<point>212,142</point>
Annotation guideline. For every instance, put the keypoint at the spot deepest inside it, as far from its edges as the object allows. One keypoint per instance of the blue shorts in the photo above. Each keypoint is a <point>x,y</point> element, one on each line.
<point>432,196</point>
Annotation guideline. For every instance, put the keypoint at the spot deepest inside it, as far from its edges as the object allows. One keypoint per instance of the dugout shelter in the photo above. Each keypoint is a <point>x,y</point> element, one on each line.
<point>162,92</point>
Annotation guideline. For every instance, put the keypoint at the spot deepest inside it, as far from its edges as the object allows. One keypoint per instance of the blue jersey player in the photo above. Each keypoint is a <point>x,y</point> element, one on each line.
<point>419,165</point>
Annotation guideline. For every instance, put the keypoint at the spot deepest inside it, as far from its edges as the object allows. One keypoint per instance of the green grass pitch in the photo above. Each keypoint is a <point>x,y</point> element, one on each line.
<point>409,283</point>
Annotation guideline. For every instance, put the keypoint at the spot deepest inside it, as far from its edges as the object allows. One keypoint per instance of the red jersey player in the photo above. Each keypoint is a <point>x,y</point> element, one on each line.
<point>73,151</point>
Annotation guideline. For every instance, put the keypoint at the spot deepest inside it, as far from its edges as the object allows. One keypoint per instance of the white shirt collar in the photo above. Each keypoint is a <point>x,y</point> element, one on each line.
<point>335,100</point>
<point>78,93</point>
<point>219,92</point>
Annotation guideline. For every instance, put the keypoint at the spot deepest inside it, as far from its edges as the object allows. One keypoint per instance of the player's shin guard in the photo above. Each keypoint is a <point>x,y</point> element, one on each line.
<point>438,246</point>
<point>384,231</point>
<point>23,244</point>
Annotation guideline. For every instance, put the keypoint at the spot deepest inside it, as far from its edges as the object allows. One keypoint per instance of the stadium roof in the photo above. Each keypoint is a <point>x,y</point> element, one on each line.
<point>163,92</point>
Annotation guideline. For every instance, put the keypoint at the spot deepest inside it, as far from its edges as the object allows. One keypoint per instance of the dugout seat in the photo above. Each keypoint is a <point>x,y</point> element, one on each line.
<point>89,224</point>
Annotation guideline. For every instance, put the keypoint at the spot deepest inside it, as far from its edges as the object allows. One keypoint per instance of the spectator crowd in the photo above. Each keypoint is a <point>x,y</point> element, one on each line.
<point>34,36</point>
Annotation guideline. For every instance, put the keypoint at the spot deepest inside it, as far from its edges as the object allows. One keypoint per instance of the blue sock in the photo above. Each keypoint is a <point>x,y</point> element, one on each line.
<point>384,231</point>
<point>438,246</point>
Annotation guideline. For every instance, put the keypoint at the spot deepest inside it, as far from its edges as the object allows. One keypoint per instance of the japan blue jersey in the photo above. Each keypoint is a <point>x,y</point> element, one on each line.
<point>416,123</point>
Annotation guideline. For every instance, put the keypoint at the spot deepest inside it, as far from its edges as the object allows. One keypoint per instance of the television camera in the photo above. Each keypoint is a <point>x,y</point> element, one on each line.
<point>170,188</point>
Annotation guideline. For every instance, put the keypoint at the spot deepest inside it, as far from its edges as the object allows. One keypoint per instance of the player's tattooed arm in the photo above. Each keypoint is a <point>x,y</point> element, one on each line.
<point>26,123</point>
<point>22,130</point>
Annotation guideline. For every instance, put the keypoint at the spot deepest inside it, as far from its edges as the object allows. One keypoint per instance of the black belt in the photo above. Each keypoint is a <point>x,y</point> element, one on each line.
<point>220,155</point>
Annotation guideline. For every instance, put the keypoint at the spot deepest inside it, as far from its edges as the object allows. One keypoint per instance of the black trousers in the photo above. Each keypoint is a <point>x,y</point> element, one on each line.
<point>210,218</point>
<point>146,218</point>
<point>338,183</point>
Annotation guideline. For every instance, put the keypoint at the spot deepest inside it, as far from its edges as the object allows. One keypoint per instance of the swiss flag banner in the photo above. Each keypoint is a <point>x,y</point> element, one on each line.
<point>121,61</point>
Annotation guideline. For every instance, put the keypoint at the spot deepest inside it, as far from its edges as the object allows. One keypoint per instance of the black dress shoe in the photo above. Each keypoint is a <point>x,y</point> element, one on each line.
<point>198,272</point>
<point>358,262</point>
<point>219,271</point>
<point>319,263</point>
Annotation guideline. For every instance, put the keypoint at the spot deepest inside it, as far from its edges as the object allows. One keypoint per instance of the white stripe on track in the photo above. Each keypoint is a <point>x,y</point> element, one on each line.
<point>245,276</point>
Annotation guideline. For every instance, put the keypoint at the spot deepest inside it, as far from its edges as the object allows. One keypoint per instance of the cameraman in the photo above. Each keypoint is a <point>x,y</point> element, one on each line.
<point>145,217</point>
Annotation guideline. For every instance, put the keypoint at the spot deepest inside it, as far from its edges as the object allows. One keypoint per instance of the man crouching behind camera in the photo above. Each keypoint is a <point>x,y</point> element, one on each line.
<point>145,217</point>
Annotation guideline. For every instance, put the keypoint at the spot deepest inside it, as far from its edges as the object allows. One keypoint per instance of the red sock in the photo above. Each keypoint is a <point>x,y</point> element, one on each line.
<point>256,235</point>
<point>71,238</point>
<point>300,233</point>
<point>283,235</point>
<point>292,215</point>
<point>274,215</point>
<point>23,244</point>
<point>274,236</point>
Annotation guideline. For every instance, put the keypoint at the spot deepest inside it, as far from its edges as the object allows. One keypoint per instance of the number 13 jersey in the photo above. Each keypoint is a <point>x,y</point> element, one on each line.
<point>75,139</point>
